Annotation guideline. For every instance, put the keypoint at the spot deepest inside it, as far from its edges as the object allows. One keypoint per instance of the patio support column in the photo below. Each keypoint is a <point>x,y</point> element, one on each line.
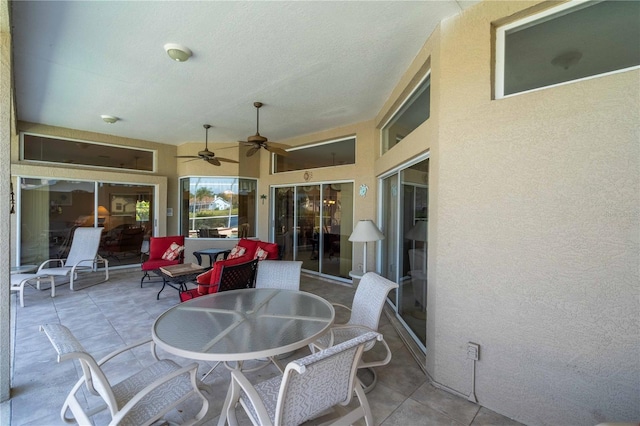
<point>6,128</point>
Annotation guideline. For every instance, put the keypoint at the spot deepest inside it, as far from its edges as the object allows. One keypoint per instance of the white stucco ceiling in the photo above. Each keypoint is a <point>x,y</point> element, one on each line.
<point>315,65</point>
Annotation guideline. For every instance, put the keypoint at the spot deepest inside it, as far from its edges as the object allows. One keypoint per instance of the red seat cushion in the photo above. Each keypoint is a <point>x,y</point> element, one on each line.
<point>250,245</point>
<point>151,265</point>
<point>213,275</point>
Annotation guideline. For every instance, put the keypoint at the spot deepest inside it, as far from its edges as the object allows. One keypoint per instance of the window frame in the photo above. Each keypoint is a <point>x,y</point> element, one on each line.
<point>531,20</point>
<point>315,145</point>
<point>402,107</point>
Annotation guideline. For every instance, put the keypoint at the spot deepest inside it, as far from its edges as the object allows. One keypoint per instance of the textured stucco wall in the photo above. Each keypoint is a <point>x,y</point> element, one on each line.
<point>537,237</point>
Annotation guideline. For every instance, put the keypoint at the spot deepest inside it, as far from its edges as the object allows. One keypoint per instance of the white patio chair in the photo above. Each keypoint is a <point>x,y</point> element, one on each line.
<point>365,316</point>
<point>141,399</point>
<point>83,256</point>
<point>282,274</point>
<point>18,282</point>
<point>308,387</point>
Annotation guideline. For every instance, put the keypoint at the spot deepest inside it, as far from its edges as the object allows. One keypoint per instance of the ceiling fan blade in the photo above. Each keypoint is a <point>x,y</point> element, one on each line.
<point>278,145</point>
<point>213,161</point>
<point>276,150</point>
<point>252,151</point>
<point>192,159</point>
<point>227,160</point>
<point>187,156</point>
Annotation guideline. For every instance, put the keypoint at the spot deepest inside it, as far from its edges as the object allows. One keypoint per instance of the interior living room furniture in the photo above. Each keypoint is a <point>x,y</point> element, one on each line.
<point>284,274</point>
<point>124,239</point>
<point>158,246</point>
<point>142,398</point>
<point>266,322</point>
<point>18,282</point>
<point>366,308</point>
<point>232,277</point>
<point>83,257</point>
<point>308,388</point>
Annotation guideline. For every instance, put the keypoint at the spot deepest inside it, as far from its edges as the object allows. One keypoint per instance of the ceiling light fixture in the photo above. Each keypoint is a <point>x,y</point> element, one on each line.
<point>109,119</point>
<point>177,52</point>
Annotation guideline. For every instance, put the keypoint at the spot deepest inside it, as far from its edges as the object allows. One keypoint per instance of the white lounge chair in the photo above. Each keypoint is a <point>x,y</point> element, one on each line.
<point>18,282</point>
<point>141,399</point>
<point>83,256</point>
<point>308,387</point>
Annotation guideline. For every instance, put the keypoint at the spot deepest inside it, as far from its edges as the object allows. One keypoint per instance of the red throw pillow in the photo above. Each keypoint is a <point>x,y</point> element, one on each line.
<point>261,254</point>
<point>236,252</point>
<point>173,252</point>
<point>271,249</point>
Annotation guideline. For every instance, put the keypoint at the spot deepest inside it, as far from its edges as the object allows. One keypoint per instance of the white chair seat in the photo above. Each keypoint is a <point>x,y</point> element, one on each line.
<point>18,282</point>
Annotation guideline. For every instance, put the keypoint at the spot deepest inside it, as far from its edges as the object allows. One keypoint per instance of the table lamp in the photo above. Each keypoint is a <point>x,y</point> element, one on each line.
<point>364,232</point>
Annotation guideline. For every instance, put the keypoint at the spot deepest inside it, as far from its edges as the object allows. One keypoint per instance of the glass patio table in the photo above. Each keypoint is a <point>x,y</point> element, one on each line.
<point>242,325</point>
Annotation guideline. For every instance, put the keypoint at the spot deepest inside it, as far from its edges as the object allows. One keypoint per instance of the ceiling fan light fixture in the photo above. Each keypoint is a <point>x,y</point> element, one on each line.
<point>177,52</point>
<point>109,118</point>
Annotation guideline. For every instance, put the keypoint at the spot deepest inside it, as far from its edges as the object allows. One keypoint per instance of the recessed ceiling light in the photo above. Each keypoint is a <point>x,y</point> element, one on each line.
<point>109,119</point>
<point>177,52</point>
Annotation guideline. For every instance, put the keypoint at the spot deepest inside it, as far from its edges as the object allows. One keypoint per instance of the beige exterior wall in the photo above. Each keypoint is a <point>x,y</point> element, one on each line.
<point>533,232</point>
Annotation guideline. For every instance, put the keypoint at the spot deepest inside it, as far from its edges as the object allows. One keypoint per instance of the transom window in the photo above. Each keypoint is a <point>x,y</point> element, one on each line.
<point>84,153</point>
<point>325,154</point>
<point>413,112</point>
<point>577,40</point>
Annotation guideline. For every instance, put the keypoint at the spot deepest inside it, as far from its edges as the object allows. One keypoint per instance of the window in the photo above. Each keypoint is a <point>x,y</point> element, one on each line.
<point>83,153</point>
<point>218,207</point>
<point>413,112</point>
<point>50,211</point>
<point>577,40</point>
<point>326,154</point>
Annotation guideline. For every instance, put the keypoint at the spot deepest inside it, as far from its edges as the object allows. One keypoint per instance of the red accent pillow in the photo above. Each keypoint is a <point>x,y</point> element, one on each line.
<point>159,245</point>
<point>261,254</point>
<point>173,252</point>
<point>236,252</point>
<point>271,249</point>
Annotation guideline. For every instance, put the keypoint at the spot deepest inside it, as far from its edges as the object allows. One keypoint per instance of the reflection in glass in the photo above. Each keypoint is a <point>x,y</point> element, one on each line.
<point>218,207</point>
<point>51,210</point>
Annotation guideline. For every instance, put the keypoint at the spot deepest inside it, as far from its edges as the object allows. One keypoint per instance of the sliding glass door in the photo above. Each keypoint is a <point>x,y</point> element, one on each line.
<point>405,215</point>
<point>312,223</point>
<point>51,210</point>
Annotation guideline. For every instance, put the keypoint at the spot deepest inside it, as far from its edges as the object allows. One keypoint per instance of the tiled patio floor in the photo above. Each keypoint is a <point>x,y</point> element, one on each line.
<point>109,315</point>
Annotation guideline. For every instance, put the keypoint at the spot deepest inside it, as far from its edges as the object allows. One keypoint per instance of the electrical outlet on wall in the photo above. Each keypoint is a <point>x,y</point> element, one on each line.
<point>473,351</point>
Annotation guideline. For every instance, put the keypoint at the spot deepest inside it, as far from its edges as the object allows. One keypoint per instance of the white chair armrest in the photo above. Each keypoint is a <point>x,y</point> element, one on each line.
<point>47,262</point>
<point>239,381</point>
<point>123,349</point>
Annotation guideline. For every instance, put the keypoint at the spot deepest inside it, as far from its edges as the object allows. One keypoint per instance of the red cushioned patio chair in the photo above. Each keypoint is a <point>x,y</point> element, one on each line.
<point>158,246</point>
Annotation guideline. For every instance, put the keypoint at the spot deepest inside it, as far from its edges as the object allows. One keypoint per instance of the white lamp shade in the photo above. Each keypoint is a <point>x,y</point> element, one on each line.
<point>418,232</point>
<point>364,231</point>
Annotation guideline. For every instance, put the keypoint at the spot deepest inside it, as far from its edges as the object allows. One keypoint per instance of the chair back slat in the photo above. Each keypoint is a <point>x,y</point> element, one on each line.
<point>319,381</point>
<point>84,245</point>
<point>236,277</point>
<point>281,274</point>
<point>369,300</point>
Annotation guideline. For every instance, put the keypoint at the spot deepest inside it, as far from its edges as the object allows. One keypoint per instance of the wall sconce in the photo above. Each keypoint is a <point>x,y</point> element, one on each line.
<point>13,200</point>
<point>263,197</point>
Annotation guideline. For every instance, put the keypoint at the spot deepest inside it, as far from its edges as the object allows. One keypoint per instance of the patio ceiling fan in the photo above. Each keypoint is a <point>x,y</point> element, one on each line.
<point>258,141</point>
<point>205,154</point>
